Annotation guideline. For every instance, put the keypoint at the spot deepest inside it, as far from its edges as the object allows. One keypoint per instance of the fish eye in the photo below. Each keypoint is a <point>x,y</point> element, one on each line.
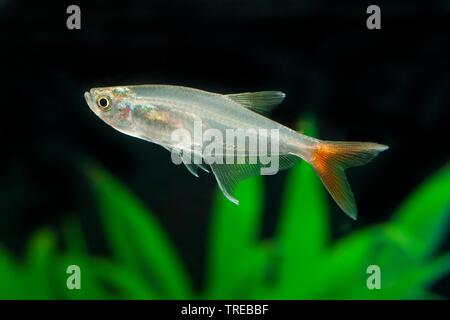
<point>103,103</point>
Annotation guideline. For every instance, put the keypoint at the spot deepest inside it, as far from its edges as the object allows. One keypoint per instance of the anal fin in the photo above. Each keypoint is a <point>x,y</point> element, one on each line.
<point>229,175</point>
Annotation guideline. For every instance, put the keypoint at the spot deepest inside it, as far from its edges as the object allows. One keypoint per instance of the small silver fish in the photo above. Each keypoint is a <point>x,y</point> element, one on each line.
<point>155,112</point>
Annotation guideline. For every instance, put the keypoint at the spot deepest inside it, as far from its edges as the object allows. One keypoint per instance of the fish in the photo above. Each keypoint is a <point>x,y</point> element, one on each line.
<point>154,112</point>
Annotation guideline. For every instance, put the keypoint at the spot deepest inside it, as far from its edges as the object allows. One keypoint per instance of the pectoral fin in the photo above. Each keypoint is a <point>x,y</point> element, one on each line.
<point>192,168</point>
<point>262,101</point>
<point>191,161</point>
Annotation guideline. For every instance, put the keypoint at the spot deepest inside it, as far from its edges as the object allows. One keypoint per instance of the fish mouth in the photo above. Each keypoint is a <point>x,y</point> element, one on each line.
<point>90,102</point>
<point>87,96</point>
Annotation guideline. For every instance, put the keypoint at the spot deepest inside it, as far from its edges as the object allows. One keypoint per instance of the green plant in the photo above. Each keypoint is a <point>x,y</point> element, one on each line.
<point>298,262</point>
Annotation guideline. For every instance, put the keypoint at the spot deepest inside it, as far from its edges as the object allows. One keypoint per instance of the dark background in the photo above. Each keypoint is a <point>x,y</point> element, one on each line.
<point>389,86</point>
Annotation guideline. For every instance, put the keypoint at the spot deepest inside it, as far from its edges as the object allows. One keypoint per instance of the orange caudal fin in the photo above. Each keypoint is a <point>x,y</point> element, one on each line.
<point>331,158</point>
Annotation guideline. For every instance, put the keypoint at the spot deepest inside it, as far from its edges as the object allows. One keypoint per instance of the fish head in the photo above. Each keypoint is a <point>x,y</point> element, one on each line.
<point>112,105</point>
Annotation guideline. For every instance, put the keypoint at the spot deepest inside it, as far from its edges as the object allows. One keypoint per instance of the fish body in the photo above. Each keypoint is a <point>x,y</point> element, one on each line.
<point>155,112</point>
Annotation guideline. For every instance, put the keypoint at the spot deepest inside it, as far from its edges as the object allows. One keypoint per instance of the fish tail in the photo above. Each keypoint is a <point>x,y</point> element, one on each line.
<point>331,158</point>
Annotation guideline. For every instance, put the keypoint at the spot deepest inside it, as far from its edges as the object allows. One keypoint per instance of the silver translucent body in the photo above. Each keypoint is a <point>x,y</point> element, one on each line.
<point>155,112</point>
<point>179,107</point>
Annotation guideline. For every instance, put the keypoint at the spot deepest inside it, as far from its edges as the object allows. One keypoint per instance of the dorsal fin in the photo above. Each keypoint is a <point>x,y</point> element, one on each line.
<point>262,101</point>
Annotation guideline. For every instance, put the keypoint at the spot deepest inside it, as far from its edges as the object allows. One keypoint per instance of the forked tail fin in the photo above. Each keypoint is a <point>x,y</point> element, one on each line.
<point>331,158</point>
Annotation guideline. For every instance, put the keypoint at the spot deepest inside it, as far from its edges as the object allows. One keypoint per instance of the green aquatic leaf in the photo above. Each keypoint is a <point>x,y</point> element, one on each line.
<point>402,247</point>
<point>412,236</point>
<point>136,238</point>
<point>434,270</point>
<point>249,277</point>
<point>76,253</point>
<point>91,287</point>
<point>424,217</point>
<point>303,229</point>
<point>256,272</point>
<point>12,285</point>
<point>233,240</point>
<point>73,236</point>
<point>298,263</point>
<point>413,283</point>
<point>123,283</point>
<point>343,271</point>
<point>39,268</point>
